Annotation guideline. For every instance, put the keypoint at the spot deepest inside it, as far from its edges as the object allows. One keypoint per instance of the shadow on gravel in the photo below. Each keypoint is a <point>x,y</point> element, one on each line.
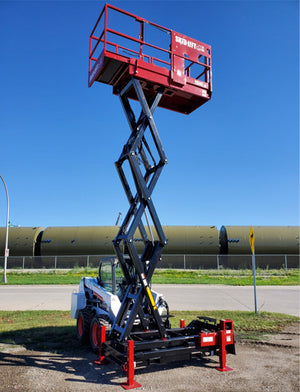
<point>81,369</point>
<point>77,369</point>
<point>56,349</point>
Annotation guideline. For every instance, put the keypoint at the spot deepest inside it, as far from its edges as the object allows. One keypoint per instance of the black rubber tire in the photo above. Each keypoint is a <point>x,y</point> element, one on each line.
<point>83,326</point>
<point>95,327</point>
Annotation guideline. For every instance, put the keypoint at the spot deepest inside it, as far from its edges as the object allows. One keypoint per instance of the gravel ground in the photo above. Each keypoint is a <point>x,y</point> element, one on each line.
<point>269,365</point>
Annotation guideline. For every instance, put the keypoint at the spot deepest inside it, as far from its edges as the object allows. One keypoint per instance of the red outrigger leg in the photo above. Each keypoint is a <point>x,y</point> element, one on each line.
<point>225,337</point>
<point>129,367</point>
<point>102,360</point>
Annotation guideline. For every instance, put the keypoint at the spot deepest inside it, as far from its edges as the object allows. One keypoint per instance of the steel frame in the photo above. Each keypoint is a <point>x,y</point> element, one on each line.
<point>153,339</point>
<point>202,337</point>
<point>138,270</point>
<point>139,334</point>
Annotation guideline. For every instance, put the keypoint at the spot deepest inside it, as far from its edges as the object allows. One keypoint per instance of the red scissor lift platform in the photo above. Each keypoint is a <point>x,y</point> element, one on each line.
<point>157,67</point>
<point>155,55</point>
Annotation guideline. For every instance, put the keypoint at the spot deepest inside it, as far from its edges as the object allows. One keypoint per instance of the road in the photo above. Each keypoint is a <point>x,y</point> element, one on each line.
<point>282,299</point>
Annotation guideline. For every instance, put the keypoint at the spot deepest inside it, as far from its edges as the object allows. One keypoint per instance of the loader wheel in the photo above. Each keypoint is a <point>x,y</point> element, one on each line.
<point>83,324</point>
<point>95,327</point>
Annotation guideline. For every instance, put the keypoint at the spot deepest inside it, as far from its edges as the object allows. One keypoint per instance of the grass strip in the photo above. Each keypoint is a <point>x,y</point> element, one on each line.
<point>162,276</point>
<point>54,331</point>
<point>227,277</point>
<point>247,325</point>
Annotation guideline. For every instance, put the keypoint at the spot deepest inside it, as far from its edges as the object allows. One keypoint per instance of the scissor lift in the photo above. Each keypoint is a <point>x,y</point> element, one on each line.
<point>176,77</point>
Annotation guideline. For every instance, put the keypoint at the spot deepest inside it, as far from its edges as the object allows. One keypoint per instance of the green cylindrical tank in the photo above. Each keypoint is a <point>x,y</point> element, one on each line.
<point>97,240</point>
<point>22,241</point>
<point>91,240</point>
<point>191,240</point>
<point>268,239</point>
<point>80,240</point>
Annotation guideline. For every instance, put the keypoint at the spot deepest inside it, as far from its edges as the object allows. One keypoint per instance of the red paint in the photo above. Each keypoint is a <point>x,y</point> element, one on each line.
<point>80,325</point>
<point>182,66</point>
<point>102,360</point>
<point>207,339</point>
<point>129,367</point>
<point>225,337</point>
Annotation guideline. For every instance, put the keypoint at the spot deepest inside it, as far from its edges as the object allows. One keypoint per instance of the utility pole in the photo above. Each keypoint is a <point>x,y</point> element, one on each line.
<point>6,250</point>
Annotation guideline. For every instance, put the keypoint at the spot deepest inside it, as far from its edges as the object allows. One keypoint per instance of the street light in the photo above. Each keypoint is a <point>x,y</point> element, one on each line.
<point>6,250</point>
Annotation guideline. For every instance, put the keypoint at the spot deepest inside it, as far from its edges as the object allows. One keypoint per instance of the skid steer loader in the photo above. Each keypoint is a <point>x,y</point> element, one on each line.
<point>99,299</point>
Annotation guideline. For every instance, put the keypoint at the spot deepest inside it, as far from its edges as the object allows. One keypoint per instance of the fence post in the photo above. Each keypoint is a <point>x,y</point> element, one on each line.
<point>285,261</point>
<point>55,262</point>
<point>87,261</point>
<point>184,264</point>
<point>23,262</point>
<point>218,264</point>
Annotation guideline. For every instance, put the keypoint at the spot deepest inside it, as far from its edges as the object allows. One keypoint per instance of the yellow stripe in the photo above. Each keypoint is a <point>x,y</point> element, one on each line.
<point>151,298</point>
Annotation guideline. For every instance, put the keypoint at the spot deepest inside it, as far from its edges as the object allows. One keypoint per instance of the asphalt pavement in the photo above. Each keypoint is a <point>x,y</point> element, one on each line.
<point>281,299</point>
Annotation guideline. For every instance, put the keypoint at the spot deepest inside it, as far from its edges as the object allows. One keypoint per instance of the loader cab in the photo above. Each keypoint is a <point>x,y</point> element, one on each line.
<point>110,276</point>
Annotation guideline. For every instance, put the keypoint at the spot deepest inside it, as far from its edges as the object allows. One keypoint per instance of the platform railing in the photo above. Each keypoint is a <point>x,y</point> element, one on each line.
<point>101,39</point>
<point>175,261</point>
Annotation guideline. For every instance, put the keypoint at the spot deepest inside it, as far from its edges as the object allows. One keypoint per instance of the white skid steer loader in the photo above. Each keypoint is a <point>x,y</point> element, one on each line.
<point>99,299</point>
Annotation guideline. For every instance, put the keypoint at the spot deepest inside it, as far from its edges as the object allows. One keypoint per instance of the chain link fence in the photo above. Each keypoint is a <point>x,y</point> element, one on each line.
<point>188,261</point>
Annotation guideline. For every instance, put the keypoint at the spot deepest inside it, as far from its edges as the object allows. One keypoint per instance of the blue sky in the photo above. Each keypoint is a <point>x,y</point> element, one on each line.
<point>234,161</point>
